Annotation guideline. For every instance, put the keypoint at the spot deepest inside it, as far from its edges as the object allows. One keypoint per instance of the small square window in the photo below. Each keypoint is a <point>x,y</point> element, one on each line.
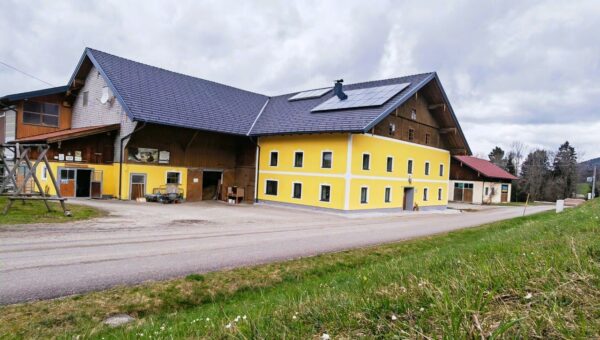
<point>364,195</point>
<point>410,167</point>
<point>425,194</point>
<point>173,177</point>
<point>388,195</point>
<point>297,190</point>
<point>411,134</point>
<point>326,160</point>
<point>427,168</point>
<point>325,193</point>
<point>271,188</point>
<point>298,159</point>
<point>366,160</point>
<point>427,138</point>
<point>274,158</point>
<point>85,95</point>
<point>390,164</point>
<point>413,114</point>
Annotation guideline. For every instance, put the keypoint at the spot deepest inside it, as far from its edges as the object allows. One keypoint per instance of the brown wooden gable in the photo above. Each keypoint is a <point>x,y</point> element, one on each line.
<point>434,124</point>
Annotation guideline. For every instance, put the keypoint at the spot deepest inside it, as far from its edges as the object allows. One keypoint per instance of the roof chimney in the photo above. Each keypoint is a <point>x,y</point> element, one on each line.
<point>337,90</point>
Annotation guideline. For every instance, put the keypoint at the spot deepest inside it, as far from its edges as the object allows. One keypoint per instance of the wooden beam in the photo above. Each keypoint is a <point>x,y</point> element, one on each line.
<point>459,151</point>
<point>436,106</point>
<point>449,130</point>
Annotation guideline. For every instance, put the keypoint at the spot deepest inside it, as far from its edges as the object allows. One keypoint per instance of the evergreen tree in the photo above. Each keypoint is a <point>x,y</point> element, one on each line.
<point>510,164</point>
<point>564,171</point>
<point>497,157</point>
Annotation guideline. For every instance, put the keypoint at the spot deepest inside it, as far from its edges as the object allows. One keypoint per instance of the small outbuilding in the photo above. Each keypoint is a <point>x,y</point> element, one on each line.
<point>478,181</point>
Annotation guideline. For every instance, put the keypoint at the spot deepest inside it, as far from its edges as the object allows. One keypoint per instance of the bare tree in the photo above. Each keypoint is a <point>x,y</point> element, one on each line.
<point>518,149</point>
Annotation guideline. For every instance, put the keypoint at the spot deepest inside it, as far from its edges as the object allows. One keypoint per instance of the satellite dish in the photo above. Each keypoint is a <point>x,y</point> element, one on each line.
<point>106,97</point>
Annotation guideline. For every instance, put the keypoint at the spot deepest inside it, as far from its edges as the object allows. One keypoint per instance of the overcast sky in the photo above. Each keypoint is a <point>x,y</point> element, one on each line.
<point>516,70</point>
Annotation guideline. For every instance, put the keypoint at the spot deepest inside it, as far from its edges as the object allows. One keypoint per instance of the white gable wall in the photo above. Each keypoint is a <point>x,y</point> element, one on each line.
<point>96,113</point>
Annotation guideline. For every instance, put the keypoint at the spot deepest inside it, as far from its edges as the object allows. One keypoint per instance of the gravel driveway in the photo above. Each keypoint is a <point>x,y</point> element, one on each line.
<point>145,241</point>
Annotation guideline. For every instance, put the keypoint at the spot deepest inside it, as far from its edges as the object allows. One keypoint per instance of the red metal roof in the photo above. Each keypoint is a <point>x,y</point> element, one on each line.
<point>486,168</point>
<point>68,134</point>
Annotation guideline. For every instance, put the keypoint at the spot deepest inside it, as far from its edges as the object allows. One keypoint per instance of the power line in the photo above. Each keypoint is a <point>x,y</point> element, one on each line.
<point>25,73</point>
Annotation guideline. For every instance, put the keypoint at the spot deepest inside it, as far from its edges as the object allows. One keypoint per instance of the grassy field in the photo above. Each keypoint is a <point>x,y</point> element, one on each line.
<point>36,212</point>
<point>535,276</point>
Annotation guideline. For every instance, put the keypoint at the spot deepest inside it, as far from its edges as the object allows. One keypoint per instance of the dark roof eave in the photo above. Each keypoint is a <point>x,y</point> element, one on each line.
<point>32,94</point>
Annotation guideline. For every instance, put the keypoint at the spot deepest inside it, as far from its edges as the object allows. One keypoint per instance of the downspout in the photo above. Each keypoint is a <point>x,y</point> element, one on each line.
<point>121,156</point>
<point>257,170</point>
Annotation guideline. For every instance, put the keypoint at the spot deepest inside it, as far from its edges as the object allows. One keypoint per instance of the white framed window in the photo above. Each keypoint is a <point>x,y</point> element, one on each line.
<point>413,114</point>
<point>44,173</point>
<point>271,187</point>
<point>298,159</point>
<point>326,159</point>
<point>441,169</point>
<point>427,169</point>
<point>364,195</point>
<point>389,164</point>
<point>409,167</point>
<point>325,193</point>
<point>173,177</point>
<point>388,195</point>
<point>366,161</point>
<point>425,194</point>
<point>440,193</point>
<point>297,190</point>
<point>274,160</point>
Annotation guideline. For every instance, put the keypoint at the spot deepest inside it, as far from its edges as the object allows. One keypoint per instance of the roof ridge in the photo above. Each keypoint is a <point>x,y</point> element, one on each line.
<point>361,83</point>
<point>175,72</point>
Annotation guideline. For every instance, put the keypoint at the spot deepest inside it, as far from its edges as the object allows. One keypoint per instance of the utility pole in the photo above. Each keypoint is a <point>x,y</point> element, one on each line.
<point>594,184</point>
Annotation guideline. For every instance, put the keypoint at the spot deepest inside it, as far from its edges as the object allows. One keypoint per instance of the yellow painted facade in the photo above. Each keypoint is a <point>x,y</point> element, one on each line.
<point>156,176</point>
<point>347,178</point>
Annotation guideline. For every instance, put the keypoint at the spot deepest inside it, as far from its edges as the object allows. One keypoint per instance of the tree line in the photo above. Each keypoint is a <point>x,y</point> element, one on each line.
<point>544,175</point>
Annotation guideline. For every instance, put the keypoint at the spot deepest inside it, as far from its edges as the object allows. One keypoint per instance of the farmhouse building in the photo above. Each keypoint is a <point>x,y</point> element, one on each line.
<point>122,129</point>
<point>476,180</point>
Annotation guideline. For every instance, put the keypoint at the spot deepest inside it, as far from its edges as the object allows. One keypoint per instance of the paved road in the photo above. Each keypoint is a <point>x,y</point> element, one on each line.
<point>159,242</point>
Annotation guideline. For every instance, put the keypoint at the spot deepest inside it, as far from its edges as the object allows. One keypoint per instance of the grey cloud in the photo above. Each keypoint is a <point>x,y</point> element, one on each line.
<point>512,69</point>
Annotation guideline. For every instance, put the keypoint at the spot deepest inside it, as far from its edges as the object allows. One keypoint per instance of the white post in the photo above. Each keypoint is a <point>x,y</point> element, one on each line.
<point>560,206</point>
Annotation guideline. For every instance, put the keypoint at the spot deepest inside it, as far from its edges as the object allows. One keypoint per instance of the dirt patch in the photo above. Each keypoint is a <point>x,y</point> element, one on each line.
<point>189,222</point>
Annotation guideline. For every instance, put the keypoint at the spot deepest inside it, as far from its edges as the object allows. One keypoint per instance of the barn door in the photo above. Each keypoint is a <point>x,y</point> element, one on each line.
<point>67,182</point>
<point>138,186</point>
<point>194,185</point>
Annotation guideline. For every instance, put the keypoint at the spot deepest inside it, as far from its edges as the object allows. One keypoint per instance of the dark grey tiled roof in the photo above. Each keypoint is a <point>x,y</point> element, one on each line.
<point>154,95</point>
<point>283,116</point>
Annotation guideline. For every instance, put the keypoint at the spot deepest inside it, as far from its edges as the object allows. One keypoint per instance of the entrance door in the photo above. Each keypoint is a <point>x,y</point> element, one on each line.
<point>409,199</point>
<point>137,188</point>
<point>504,193</point>
<point>83,182</point>
<point>67,182</point>
<point>97,184</point>
<point>194,185</point>
<point>211,184</point>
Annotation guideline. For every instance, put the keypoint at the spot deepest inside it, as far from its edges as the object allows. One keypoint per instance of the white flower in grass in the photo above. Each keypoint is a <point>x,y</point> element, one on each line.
<point>244,317</point>
<point>394,317</point>
<point>528,296</point>
<point>228,325</point>
<point>237,318</point>
<point>207,319</point>
<point>294,317</point>
<point>325,336</point>
<point>422,309</point>
<point>162,328</point>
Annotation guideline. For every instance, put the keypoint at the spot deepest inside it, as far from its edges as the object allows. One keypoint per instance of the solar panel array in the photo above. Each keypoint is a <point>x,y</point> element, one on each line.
<point>309,94</point>
<point>373,96</point>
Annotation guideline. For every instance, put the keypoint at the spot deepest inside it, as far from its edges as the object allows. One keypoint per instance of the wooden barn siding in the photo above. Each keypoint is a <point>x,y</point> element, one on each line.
<point>465,173</point>
<point>64,118</point>
<point>425,124</point>
<point>235,155</point>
